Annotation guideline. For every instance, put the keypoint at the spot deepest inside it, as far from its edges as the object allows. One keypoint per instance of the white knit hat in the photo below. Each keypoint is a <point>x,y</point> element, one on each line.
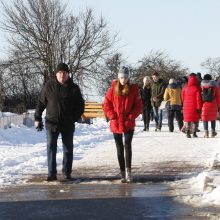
<point>172,80</point>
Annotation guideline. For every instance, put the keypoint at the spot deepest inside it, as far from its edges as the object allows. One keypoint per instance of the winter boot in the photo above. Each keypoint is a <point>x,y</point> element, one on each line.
<point>213,134</point>
<point>123,179</point>
<point>188,134</point>
<point>194,134</point>
<point>145,128</point>
<point>206,134</point>
<point>51,178</point>
<point>128,175</point>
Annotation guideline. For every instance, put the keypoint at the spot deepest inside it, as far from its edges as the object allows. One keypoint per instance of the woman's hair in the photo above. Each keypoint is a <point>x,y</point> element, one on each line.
<point>147,79</point>
<point>122,90</point>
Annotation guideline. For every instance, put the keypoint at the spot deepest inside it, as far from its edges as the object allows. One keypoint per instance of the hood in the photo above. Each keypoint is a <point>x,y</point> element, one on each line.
<point>172,85</point>
<point>208,83</point>
<point>193,81</point>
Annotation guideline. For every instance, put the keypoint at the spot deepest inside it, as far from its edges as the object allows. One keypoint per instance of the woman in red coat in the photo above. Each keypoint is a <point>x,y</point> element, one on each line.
<point>211,104</point>
<point>122,105</point>
<point>192,104</point>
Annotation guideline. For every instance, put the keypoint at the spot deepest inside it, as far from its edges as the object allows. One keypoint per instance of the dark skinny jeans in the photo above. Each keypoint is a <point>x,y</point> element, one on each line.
<point>120,149</point>
<point>146,117</point>
<point>206,125</point>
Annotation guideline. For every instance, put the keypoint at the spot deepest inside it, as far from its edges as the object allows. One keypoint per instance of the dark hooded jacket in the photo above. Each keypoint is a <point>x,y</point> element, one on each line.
<point>64,105</point>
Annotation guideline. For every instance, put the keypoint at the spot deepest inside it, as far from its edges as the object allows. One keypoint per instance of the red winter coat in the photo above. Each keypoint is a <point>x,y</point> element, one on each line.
<point>192,102</point>
<point>122,110</point>
<point>210,109</point>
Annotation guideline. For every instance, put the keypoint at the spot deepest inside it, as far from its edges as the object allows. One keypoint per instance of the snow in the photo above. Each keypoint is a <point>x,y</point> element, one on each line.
<point>23,154</point>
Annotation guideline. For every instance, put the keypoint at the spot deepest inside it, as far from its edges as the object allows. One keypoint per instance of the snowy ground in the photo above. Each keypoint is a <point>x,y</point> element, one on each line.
<point>23,153</point>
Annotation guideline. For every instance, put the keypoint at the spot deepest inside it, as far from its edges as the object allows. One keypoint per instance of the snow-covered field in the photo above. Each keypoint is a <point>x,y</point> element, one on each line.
<point>23,153</point>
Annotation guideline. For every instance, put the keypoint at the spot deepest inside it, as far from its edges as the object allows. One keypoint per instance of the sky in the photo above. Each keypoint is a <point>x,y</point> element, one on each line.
<point>188,31</point>
<point>23,156</point>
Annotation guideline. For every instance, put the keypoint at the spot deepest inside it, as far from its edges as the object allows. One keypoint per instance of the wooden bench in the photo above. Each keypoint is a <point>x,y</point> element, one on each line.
<point>93,110</point>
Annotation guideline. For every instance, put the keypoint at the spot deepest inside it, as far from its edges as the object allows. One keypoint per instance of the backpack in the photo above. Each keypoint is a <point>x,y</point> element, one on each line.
<point>207,94</point>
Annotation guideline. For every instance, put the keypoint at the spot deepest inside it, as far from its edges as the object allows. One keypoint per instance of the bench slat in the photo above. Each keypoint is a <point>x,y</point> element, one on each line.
<point>93,110</point>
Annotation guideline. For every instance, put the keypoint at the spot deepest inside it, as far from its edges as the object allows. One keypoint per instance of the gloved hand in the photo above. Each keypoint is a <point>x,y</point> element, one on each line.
<point>40,126</point>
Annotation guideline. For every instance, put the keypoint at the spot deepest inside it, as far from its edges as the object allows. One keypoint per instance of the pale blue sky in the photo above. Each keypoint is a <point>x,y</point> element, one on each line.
<point>188,30</point>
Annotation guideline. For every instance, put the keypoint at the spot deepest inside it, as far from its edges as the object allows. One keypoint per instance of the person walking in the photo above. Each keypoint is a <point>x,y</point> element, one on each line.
<point>122,105</point>
<point>146,100</point>
<point>211,104</point>
<point>172,95</point>
<point>192,104</point>
<point>157,89</point>
<point>64,106</point>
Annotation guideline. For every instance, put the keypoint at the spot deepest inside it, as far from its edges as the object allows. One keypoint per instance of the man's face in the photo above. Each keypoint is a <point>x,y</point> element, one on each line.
<point>123,80</point>
<point>155,78</point>
<point>62,77</point>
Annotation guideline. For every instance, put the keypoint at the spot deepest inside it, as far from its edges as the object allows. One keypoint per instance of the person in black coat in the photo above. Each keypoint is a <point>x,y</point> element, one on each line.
<point>146,100</point>
<point>64,106</point>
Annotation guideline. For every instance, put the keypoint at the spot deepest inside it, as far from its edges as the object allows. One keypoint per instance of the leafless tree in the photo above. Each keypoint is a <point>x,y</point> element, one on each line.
<point>160,62</point>
<point>107,72</point>
<point>18,84</point>
<point>212,65</point>
<point>42,33</point>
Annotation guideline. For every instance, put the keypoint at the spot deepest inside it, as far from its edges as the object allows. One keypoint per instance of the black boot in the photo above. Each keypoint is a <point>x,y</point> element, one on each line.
<point>188,134</point>
<point>214,133</point>
<point>194,134</point>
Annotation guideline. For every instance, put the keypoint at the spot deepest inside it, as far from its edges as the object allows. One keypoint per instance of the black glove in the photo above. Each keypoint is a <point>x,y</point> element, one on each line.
<point>40,127</point>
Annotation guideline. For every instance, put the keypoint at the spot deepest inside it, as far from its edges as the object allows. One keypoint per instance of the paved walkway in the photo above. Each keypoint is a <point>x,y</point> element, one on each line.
<point>96,201</point>
<point>92,195</point>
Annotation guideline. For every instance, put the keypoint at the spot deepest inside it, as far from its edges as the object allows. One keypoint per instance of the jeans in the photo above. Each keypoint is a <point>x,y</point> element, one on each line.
<point>206,125</point>
<point>120,149</point>
<point>67,140</point>
<point>158,116</point>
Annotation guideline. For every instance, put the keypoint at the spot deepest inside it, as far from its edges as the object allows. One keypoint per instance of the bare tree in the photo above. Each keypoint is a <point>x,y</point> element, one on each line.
<point>18,84</point>
<point>160,62</point>
<point>44,33</point>
<point>212,65</point>
<point>107,72</point>
<point>41,34</point>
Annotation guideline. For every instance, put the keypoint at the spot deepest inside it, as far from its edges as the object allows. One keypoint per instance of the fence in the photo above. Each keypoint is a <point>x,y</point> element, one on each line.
<point>26,119</point>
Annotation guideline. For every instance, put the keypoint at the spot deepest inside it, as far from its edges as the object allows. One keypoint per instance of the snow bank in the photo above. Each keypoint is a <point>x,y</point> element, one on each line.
<point>204,189</point>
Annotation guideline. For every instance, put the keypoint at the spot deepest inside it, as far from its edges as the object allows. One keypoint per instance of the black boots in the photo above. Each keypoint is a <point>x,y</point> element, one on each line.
<point>213,134</point>
<point>188,134</point>
<point>194,134</point>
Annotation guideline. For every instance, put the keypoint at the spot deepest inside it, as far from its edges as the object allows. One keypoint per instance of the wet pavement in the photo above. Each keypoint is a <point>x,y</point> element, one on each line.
<point>96,193</point>
<point>106,199</point>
